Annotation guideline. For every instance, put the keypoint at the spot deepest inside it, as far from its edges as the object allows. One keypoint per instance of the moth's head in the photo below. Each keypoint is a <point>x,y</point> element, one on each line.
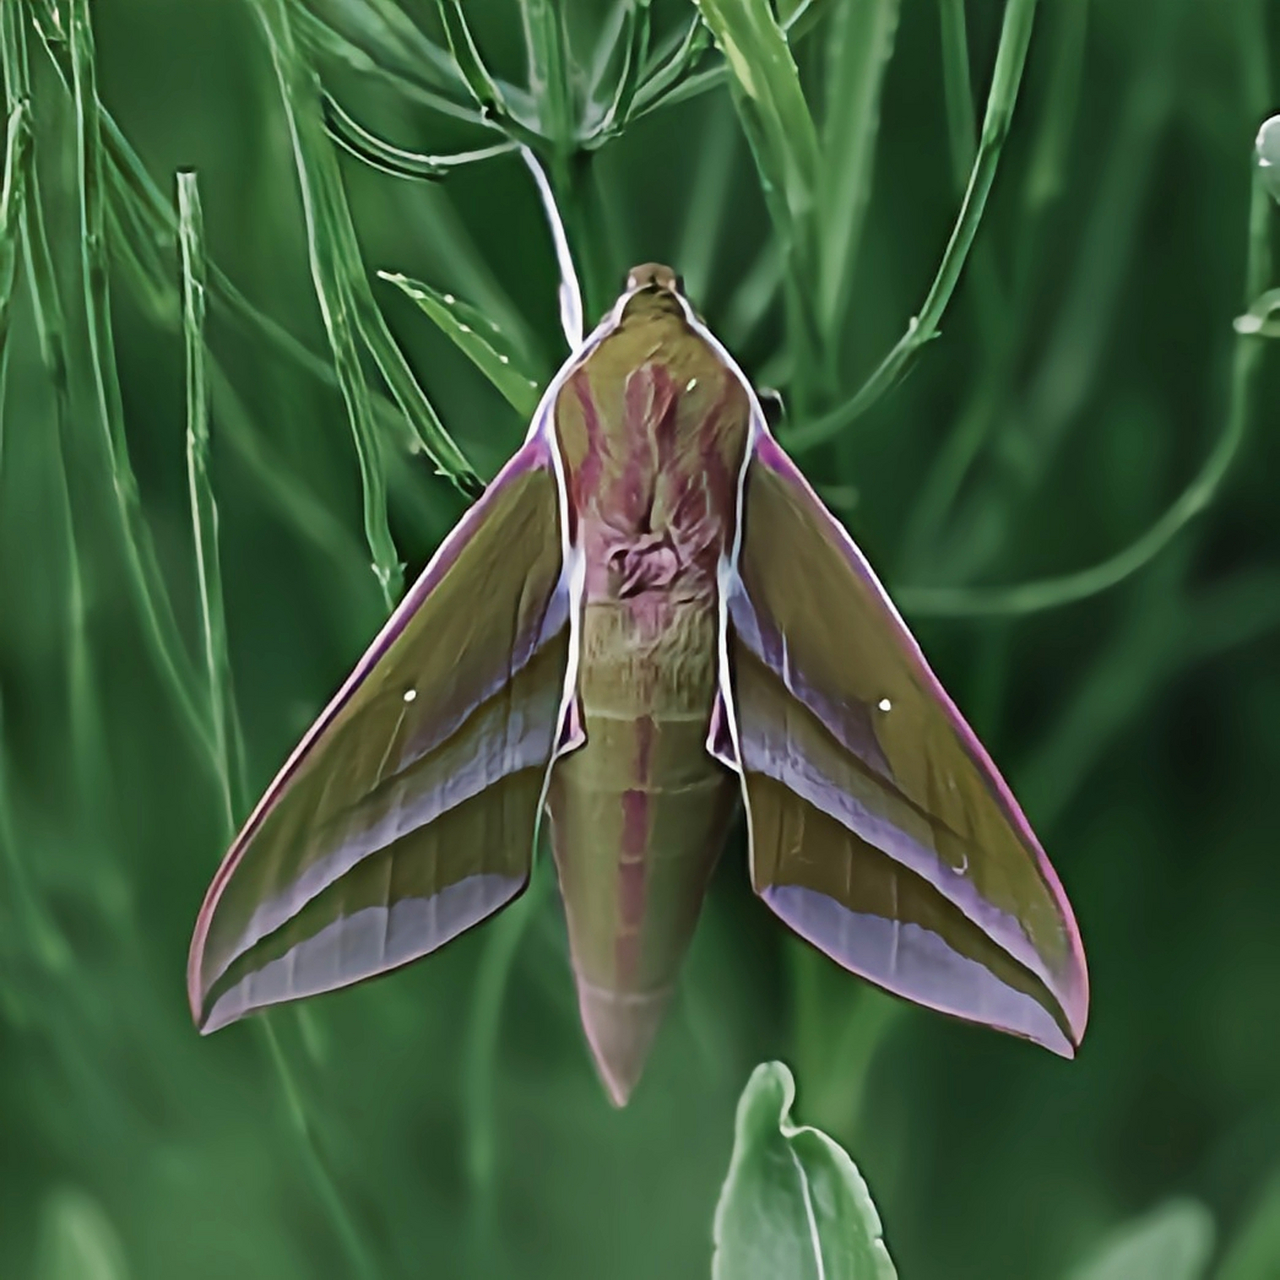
<point>652,288</point>
<point>653,276</point>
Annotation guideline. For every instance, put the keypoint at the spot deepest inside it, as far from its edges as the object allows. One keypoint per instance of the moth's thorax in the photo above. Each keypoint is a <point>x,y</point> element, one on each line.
<point>652,427</point>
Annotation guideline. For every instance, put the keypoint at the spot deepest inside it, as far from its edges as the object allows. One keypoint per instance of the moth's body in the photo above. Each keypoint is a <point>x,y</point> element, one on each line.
<point>652,430</point>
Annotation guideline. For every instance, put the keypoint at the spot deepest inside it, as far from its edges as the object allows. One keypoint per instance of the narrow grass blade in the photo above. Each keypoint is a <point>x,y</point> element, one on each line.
<point>387,158</point>
<point>708,201</point>
<point>481,341</point>
<point>658,83</point>
<point>328,246</point>
<point>475,75</point>
<point>859,48</point>
<point>50,330</point>
<point>480,1058</point>
<point>159,627</point>
<point>223,720</point>
<point>358,1256</point>
<point>547,45</point>
<point>635,45</point>
<point>772,106</point>
<point>17,157</point>
<point>1015,35</point>
<point>957,87</point>
<point>793,1203</point>
<point>321,40</point>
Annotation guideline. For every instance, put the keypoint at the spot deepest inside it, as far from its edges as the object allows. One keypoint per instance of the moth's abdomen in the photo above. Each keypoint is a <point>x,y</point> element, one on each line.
<point>639,816</point>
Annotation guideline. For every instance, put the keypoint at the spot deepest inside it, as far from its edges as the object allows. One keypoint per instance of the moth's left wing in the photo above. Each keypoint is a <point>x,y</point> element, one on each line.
<point>409,811</point>
<point>880,829</point>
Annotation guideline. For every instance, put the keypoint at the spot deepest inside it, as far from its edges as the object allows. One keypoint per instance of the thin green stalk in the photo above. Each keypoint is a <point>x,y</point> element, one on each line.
<point>322,40</point>
<point>1050,593</point>
<point>396,161</point>
<point>546,42</point>
<point>223,720</point>
<point>51,338</point>
<point>480,1055</point>
<point>17,158</point>
<point>325,249</point>
<point>358,1255</point>
<point>957,87</point>
<point>707,202</point>
<point>1019,16</point>
<point>859,48</point>
<point>159,627</point>
<point>311,518</point>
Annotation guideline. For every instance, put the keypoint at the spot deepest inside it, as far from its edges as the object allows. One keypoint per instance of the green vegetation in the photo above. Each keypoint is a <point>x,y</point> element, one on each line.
<point>276,293</point>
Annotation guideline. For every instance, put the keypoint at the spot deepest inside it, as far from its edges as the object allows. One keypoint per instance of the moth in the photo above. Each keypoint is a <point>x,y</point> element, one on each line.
<point>648,620</point>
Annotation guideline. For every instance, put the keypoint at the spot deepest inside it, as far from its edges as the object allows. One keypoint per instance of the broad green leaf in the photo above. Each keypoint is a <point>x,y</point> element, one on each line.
<point>1254,1254</point>
<point>793,1203</point>
<point>77,1240</point>
<point>1172,1242</point>
<point>480,339</point>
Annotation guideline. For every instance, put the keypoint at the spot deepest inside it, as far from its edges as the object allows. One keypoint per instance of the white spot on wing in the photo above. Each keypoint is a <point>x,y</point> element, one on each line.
<point>410,694</point>
<point>885,705</point>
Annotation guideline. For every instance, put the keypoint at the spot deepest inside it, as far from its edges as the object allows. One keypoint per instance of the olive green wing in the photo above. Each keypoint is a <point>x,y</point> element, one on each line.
<point>409,811</point>
<point>880,829</point>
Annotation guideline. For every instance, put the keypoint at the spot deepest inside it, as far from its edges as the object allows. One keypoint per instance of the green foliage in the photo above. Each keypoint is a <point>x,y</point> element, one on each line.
<point>478,338</point>
<point>1172,1243</point>
<point>1042,213</point>
<point>793,1203</point>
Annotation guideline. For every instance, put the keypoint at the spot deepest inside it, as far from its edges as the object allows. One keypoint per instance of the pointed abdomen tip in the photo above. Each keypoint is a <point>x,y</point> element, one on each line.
<point>620,1027</point>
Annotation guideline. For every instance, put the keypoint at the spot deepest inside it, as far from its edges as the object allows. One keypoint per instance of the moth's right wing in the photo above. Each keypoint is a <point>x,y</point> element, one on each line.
<point>409,811</point>
<point>881,830</point>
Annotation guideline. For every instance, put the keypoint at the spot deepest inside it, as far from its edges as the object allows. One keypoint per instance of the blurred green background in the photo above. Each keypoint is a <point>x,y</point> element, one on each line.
<point>445,1121</point>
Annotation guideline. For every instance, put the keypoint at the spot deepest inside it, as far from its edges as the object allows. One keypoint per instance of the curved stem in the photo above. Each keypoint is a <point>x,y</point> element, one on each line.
<point>1050,593</point>
<point>1015,35</point>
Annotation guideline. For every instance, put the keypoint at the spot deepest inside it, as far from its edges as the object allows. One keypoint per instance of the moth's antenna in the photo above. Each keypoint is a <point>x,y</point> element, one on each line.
<point>570,293</point>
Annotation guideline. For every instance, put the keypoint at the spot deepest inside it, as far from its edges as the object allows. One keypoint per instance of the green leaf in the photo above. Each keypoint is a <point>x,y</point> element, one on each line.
<point>793,1203</point>
<point>483,88</point>
<point>479,338</point>
<point>1255,1252</point>
<point>772,106</point>
<point>1172,1242</point>
<point>77,1240</point>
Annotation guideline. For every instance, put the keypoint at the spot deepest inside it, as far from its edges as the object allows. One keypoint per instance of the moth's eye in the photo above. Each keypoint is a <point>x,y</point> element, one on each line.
<point>680,285</point>
<point>771,402</point>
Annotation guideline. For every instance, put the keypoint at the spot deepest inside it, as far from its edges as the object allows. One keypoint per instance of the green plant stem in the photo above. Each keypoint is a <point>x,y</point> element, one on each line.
<point>480,1056</point>
<point>151,598</point>
<point>223,719</point>
<point>957,86</point>
<point>1019,16</point>
<point>1049,593</point>
<point>358,1256</point>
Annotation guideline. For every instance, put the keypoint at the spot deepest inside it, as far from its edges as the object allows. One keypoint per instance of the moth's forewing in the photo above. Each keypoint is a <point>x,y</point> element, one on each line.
<point>881,830</point>
<point>409,810</point>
